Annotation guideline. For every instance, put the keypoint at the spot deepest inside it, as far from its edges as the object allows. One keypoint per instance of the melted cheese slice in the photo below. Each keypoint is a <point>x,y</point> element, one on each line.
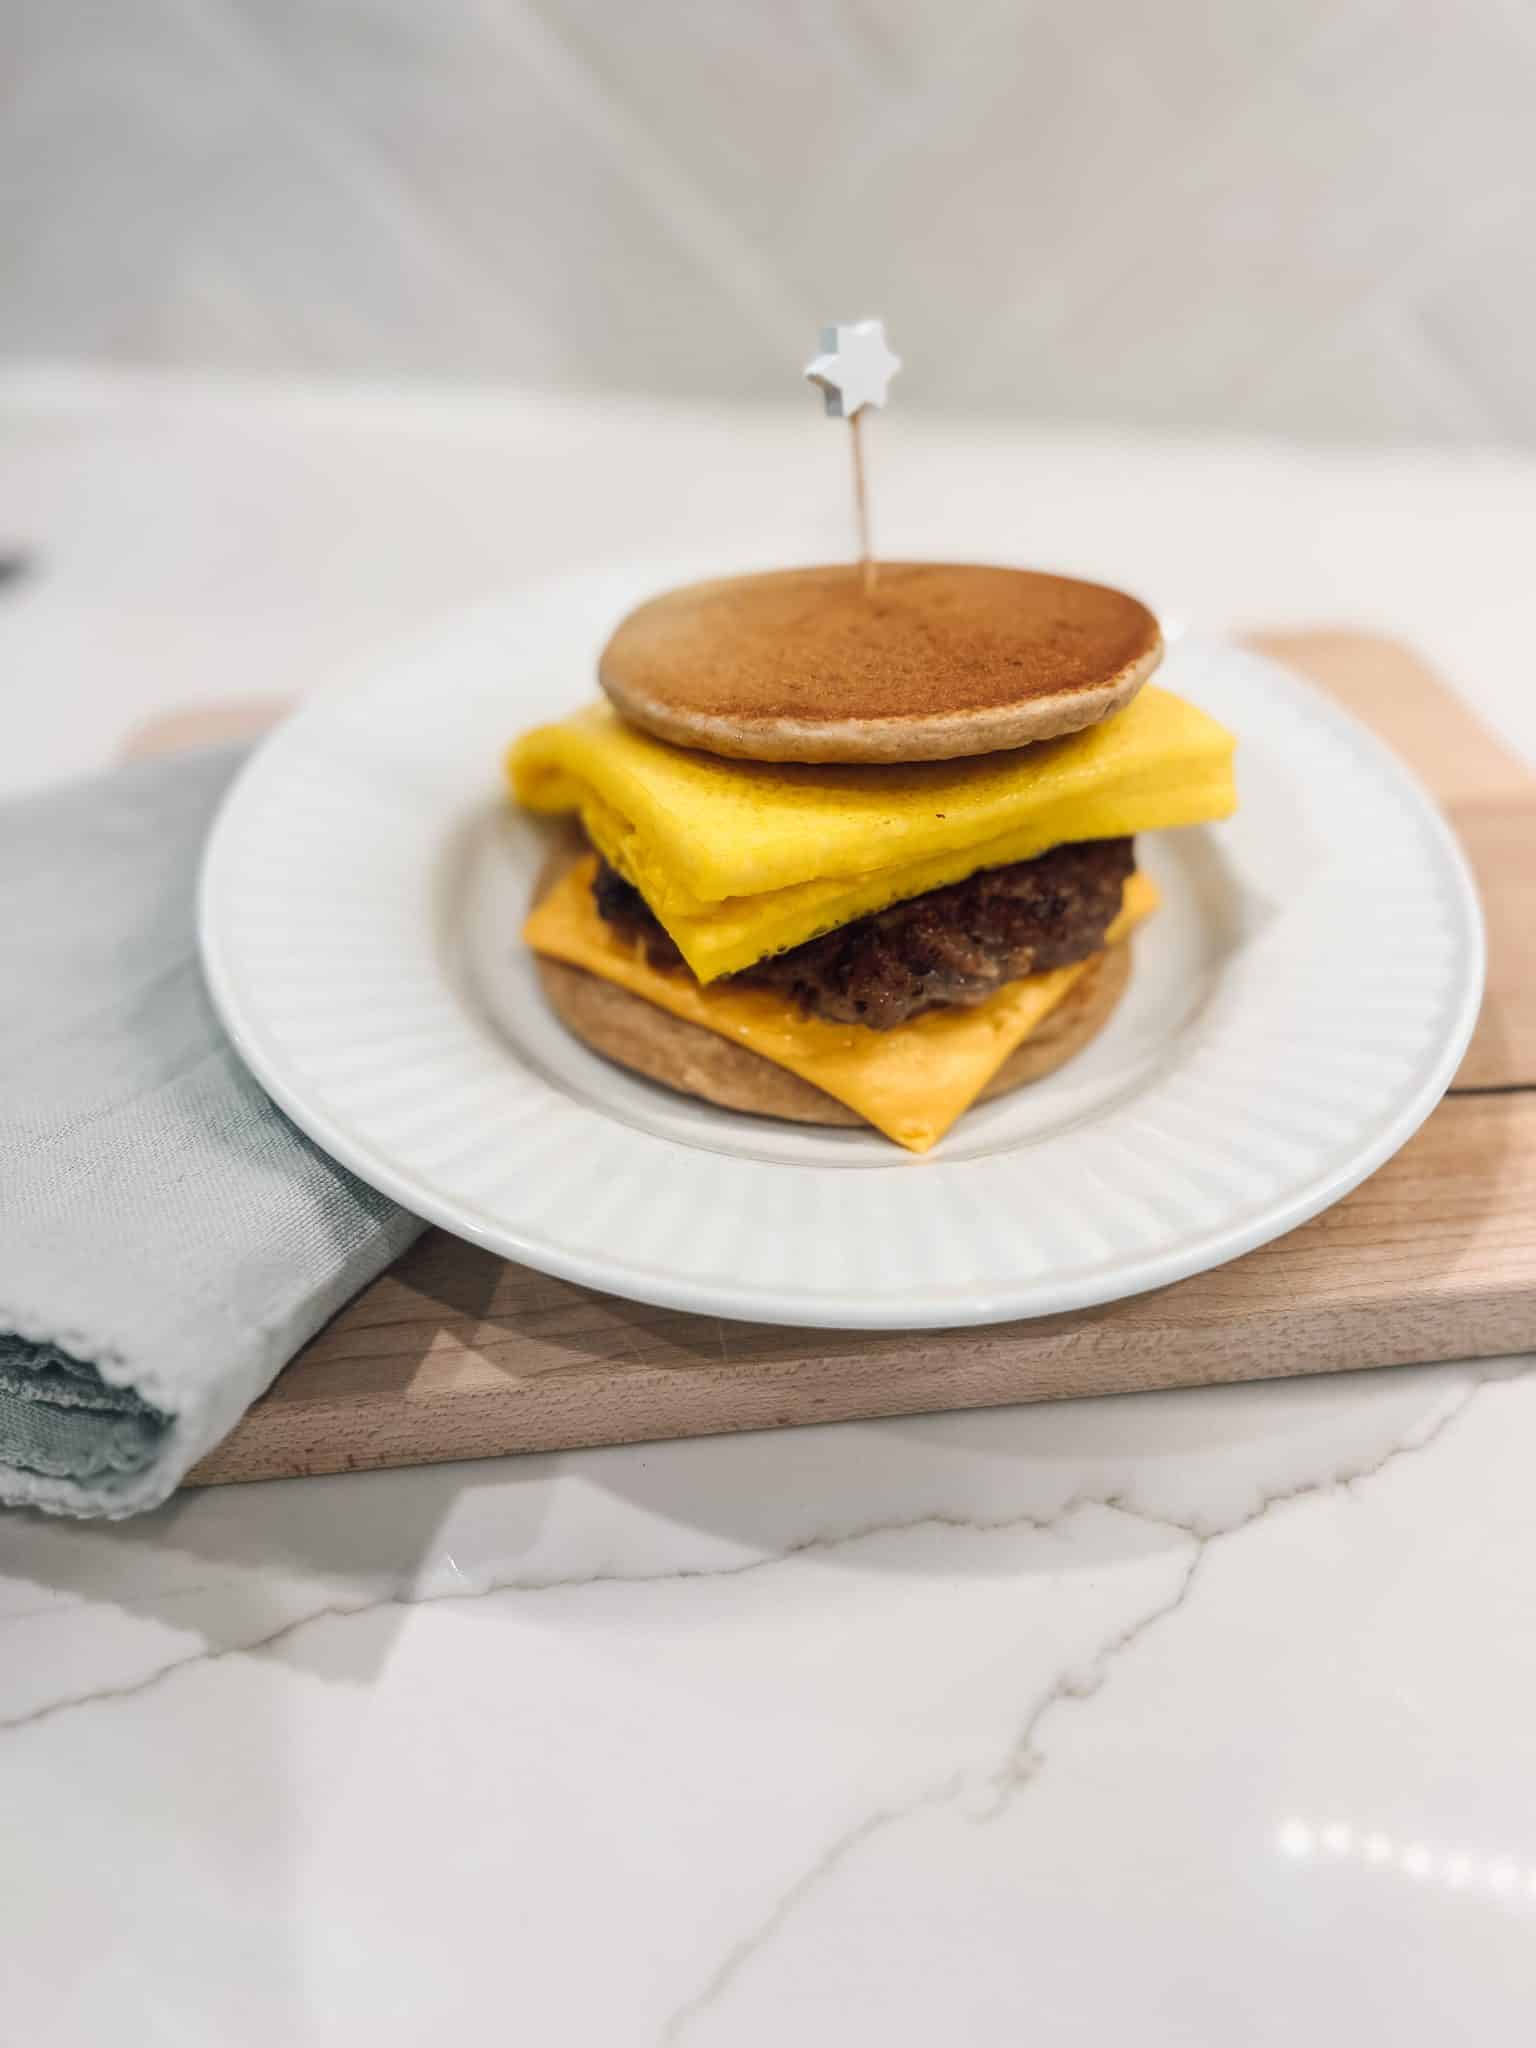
<point>911,1083</point>
<point>742,859</point>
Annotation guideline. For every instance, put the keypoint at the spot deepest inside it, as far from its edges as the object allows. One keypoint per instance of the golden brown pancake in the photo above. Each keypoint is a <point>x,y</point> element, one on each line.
<point>626,1028</point>
<point>939,661</point>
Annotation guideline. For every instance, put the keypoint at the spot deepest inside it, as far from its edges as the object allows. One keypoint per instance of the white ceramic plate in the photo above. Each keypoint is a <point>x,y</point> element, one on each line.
<point>1297,1009</point>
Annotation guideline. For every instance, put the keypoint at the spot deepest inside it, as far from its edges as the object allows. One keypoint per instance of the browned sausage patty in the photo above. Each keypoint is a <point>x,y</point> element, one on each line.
<point>953,946</point>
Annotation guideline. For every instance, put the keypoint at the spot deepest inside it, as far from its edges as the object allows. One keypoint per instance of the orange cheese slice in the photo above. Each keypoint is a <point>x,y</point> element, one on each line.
<point>911,1083</point>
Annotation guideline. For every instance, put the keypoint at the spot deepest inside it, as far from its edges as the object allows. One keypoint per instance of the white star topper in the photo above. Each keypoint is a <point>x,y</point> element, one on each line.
<point>855,367</point>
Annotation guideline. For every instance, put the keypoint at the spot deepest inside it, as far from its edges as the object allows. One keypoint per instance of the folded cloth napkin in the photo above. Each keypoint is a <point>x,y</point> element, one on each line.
<point>167,1238</point>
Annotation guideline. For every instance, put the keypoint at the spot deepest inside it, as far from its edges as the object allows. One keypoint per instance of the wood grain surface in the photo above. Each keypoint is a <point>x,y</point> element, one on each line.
<point>455,1354</point>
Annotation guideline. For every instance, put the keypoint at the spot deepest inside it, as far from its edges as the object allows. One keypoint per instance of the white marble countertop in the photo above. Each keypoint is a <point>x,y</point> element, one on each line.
<point>1199,1718</point>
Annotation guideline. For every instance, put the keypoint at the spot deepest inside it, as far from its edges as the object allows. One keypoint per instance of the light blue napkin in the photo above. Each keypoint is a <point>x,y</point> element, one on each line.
<point>168,1239</point>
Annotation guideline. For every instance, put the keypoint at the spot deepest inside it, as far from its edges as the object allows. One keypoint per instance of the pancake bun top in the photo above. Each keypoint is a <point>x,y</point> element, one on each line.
<point>940,660</point>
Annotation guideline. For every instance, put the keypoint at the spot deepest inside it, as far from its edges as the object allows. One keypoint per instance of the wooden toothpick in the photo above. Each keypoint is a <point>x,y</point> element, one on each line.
<point>861,503</point>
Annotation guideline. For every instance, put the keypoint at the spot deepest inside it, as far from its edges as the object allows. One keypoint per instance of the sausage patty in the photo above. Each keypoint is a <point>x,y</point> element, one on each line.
<point>951,947</point>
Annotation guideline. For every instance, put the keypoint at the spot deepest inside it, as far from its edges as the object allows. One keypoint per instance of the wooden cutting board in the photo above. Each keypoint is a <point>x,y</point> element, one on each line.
<point>456,1354</point>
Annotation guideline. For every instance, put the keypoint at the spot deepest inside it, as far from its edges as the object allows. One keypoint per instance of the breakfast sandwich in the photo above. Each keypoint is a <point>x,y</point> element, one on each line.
<point>862,857</point>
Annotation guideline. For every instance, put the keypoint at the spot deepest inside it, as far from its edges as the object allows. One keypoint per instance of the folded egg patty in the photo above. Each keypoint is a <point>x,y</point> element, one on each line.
<point>740,860</point>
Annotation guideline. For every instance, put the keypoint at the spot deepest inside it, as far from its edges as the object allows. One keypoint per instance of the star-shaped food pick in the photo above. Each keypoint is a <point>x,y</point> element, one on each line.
<point>855,367</point>
<point>854,370</point>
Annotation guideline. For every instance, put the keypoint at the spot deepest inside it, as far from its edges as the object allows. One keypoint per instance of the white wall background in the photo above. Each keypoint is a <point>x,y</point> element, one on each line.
<point>1299,216</point>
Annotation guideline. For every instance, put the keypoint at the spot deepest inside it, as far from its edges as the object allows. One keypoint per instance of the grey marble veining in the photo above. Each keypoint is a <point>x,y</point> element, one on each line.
<point>1195,1717</point>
